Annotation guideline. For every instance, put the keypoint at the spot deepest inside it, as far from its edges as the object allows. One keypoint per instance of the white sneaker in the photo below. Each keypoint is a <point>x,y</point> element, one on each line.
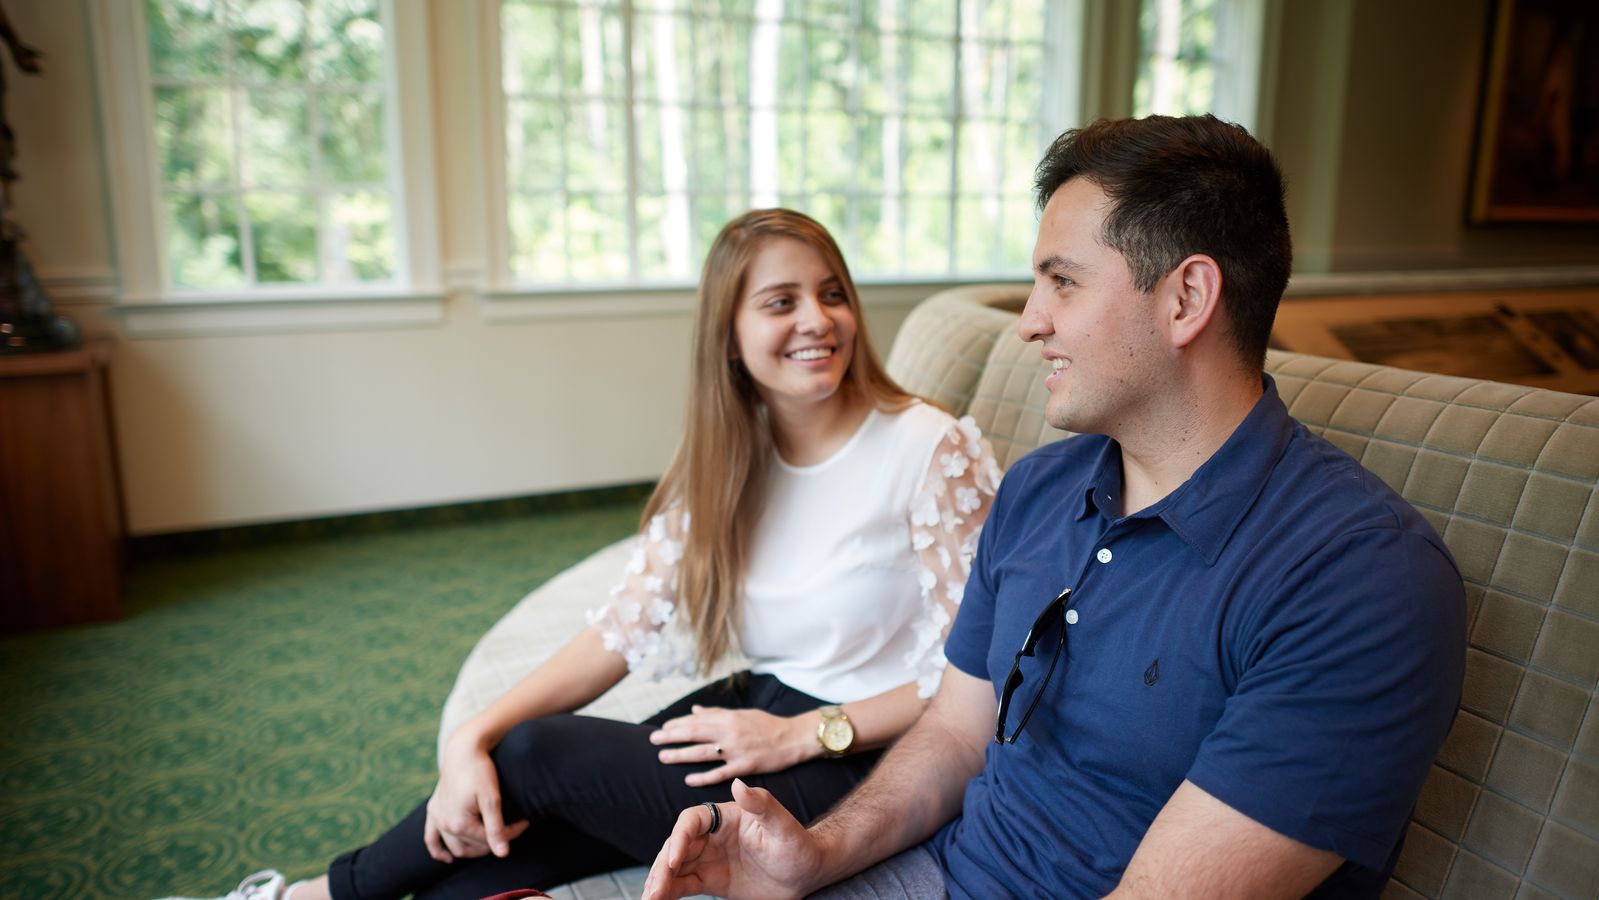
<point>264,885</point>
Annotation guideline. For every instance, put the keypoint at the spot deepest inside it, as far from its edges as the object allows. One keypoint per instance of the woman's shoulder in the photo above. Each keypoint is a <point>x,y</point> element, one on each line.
<point>920,417</point>
<point>920,434</point>
<point>924,423</point>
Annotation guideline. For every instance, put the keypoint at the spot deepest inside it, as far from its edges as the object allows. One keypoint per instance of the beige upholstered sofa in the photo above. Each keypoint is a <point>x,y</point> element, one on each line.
<point>1506,474</point>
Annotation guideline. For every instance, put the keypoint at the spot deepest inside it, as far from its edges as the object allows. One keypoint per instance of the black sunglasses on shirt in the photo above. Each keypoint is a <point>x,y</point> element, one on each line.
<point>1052,619</point>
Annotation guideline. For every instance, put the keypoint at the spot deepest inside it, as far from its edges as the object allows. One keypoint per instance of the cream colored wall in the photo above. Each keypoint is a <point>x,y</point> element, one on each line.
<point>1376,116</point>
<point>227,429</point>
<point>1308,121</point>
<point>60,197</point>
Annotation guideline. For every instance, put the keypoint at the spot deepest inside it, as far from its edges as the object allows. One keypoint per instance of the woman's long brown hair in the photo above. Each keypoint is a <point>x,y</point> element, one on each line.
<point>719,471</point>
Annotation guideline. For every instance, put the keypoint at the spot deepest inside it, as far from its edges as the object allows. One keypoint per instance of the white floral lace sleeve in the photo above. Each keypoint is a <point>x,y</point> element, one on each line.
<point>946,517</point>
<point>640,621</point>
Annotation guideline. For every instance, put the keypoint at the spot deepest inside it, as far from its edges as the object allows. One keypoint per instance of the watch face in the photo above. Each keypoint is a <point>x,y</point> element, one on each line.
<point>837,735</point>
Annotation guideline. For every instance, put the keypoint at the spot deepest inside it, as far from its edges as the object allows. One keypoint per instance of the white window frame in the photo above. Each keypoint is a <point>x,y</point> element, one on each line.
<point>147,301</point>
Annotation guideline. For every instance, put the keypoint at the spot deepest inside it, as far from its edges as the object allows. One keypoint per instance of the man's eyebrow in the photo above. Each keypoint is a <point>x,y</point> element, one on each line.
<point>1057,263</point>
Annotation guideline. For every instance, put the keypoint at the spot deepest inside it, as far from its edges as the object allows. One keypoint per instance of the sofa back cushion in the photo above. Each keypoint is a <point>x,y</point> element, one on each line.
<point>1507,476</point>
<point>943,346</point>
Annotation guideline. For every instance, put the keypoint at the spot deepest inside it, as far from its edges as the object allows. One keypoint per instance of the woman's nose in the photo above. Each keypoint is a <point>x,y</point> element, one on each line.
<point>814,318</point>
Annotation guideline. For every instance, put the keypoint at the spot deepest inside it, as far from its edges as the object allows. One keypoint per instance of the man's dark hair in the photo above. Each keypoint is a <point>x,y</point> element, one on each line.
<point>1180,186</point>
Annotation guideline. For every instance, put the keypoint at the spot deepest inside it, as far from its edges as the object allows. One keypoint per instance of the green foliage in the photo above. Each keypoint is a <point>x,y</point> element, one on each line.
<point>203,247</point>
<point>269,40</point>
<point>538,235</point>
<point>276,139</point>
<point>862,113</point>
<point>352,128</point>
<point>346,42</point>
<point>596,226</point>
<point>529,55</point>
<point>283,234</point>
<point>270,119</point>
<point>533,131</point>
<point>596,146</point>
<point>1192,69</point>
<point>193,135</point>
<point>186,38</point>
<point>360,238</point>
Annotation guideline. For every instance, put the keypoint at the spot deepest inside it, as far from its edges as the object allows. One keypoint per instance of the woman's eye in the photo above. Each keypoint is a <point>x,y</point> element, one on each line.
<point>779,303</point>
<point>836,297</point>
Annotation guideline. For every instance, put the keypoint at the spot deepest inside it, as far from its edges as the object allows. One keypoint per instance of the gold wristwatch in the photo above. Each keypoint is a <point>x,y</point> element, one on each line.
<point>835,733</point>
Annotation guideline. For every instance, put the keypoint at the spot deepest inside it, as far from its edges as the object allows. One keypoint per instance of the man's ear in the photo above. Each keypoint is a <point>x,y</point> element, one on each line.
<point>1194,299</point>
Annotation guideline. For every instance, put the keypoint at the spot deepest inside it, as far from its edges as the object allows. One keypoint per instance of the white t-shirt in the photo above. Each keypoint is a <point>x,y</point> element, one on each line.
<point>856,567</point>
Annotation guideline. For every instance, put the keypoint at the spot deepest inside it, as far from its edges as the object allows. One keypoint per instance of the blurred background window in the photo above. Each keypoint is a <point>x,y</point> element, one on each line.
<point>635,130</point>
<point>1176,74</point>
<point>271,122</point>
<point>1199,56</point>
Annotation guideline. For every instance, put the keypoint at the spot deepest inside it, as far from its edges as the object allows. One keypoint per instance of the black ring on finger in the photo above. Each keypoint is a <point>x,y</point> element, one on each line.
<point>716,816</point>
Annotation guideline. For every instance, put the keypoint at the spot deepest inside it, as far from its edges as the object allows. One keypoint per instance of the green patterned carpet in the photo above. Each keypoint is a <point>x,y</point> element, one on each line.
<point>258,707</point>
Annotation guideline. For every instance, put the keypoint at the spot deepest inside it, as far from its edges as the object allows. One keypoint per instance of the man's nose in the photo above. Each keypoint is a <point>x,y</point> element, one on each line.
<point>1034,325</point>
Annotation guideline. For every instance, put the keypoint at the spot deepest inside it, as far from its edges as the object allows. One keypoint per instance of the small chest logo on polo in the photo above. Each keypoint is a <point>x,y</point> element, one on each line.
<point>1152,674</point>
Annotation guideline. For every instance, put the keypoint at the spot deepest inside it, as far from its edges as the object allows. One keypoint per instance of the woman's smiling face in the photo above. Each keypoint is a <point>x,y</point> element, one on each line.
<point>794,327</point>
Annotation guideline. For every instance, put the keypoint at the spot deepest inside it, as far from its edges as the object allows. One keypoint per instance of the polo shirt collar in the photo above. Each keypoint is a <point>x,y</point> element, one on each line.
<point>1206,509</point>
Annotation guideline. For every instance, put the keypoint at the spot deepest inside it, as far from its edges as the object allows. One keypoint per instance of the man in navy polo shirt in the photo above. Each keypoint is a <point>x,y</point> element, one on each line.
<point>1221,655</point>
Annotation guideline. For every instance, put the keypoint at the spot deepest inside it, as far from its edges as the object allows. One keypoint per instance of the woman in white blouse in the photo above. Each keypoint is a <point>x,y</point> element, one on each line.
<point>816,516</point>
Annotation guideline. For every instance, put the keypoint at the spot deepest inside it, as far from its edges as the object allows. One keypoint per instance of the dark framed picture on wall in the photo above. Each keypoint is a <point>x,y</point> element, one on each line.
<point>1537,150</point>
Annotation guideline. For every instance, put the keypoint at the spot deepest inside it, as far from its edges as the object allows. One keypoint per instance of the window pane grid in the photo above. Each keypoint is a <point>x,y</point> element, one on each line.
<point>1178,61</point>
<point>267,113</point>
<point>824,105</point>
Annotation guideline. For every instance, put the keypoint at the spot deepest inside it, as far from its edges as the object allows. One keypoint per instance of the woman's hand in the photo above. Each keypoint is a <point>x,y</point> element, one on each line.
<point>746,741</point>
<point>464,818</point>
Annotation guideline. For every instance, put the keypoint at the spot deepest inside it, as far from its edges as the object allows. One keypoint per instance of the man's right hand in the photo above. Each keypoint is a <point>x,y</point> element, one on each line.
<point>464,818</point>
<point>760,850</point>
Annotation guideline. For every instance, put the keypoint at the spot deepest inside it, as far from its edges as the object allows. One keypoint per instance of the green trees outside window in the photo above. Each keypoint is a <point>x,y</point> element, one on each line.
<point>634,130</point>
<point>1177,65</point>
<point>270,137</point>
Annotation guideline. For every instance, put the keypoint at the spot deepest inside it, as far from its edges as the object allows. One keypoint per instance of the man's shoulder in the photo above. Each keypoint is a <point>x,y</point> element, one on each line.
<point>1319,487</point>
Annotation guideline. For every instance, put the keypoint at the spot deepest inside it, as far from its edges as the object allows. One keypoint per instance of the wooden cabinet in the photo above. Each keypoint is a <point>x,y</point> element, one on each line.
<point>61,527</point>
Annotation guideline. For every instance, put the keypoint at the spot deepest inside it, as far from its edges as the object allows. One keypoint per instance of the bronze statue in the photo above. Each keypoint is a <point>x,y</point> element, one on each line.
<point>27,59</point>
<point>27,324</point>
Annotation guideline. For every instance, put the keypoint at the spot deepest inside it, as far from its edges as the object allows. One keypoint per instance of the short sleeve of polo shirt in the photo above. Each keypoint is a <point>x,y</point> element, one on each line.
<point>1341,701</point>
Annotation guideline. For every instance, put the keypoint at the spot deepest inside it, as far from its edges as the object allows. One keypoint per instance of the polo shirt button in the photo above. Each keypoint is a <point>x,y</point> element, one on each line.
<point>1103,555</point>
<point>1071,617</point>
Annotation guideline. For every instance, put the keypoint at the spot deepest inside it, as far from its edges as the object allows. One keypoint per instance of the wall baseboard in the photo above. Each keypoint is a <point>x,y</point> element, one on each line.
<point>145,548</point>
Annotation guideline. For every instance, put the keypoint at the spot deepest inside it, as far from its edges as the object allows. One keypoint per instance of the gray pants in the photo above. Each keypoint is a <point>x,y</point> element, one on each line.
<point>912,875</point>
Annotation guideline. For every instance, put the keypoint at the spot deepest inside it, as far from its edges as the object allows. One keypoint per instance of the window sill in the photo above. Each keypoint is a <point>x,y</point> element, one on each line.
<point>227,314</point>
<point>1314,284</point>
<point>513,304</point>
